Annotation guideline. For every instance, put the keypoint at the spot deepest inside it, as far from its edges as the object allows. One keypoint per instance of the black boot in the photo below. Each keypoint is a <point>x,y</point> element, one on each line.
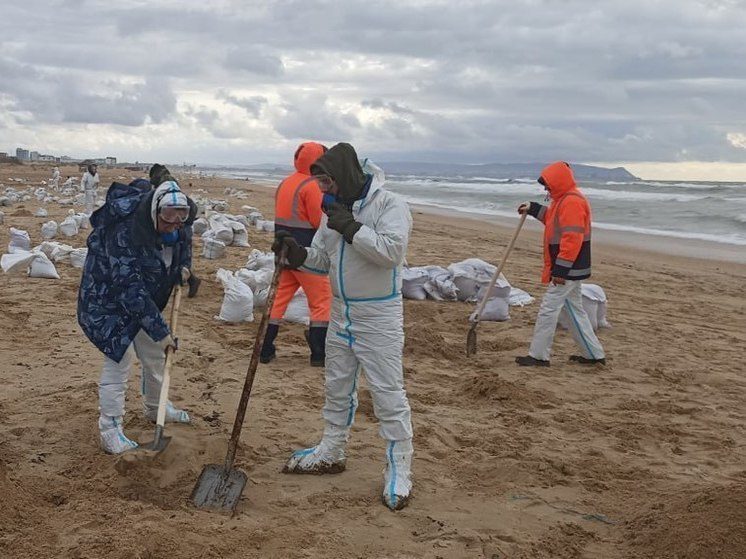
<point>587,361</point>
<point>268,346</point>
<point>528,361</point>
<point>316,338</point>
<point>193,282</point>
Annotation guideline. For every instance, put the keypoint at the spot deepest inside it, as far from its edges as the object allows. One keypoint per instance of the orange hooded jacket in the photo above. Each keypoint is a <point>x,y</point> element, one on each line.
<point>298,198</point>
<point>567,220</point>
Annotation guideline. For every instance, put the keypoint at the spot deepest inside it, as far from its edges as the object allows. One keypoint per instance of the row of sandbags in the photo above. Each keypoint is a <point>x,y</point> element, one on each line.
<point>467,280</point>
<point>248,288</point>
<point>39,262</point>
<point>219,230</point>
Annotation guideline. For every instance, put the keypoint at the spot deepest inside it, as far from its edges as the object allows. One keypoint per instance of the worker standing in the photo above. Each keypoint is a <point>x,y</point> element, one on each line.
<point>567,261</point>
<point>298,213</point>
<point>89,185</point>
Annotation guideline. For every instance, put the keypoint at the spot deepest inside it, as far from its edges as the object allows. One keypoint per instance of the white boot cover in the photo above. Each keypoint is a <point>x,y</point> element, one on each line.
<point>113,440</point>
<point>397,478</point>
<point>328,457</point>
<point>173,414</point>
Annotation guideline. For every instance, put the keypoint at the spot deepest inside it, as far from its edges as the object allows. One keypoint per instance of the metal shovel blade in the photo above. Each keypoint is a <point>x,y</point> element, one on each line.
<point>159,443</point>
<point>218,488</point>
<point>471,340</point>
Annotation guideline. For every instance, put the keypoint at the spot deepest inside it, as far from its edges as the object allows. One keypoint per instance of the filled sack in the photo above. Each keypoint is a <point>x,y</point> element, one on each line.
<point>497,308</point>
<point>258,260</point>
<point>41,212</point>
<point>200,225</point>
<point>257,280</point>
<point>238,301</point>
<point>17,262</point>
<point>594,304</point>
<point>413,282</point>
<point>49,230</point>
<point>78,256</point>
<point>69,226</point>
<point>212,248</point>
<point>297,310</point>
<point>439,285</point>
<point>19,241</point>
<point>42,267</point>
<point>469,276</point>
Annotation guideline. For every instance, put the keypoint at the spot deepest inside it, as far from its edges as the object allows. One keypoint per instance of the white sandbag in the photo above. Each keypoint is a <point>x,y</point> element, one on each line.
<point>212,248</point>
<point>470,276</point>
<point>497,308</point>
<point>220,230</point>
<point>41,212</point>
<point>219,205</point>
<point>49,230</point>
<point>519,298</point>
<point>257,280</point>
<point>17,262</point>
<point>297,310</point>
<point>82,220</point>
<point>238,301</point>
<point>19,241</point>
<point>69,227</point>
<point>413,283</point>
<point>42,267</point>
<point>594,304</point>
<point>259,260</point>
<point>78,256</point>
<point>200,226</point>
<point>57,252</point>
<point>240,235</point>
<point>254,217</point>
<point>439,285</point>
<point>268,226</point>
<point>260,298</point>
<point>2,217</point>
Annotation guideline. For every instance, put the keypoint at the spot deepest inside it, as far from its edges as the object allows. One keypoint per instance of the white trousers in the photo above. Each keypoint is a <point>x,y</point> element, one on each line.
<point>90,200</point>
<point>556,298</point>
<point>375,347</point>
<point>114,376</point>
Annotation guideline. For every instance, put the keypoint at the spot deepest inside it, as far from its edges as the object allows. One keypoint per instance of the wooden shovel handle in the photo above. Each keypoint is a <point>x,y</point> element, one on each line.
<point>499,270</point>
<point>163,397</point>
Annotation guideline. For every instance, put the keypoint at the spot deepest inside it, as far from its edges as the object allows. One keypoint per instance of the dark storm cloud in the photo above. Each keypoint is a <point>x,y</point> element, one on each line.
<point>484,80</point>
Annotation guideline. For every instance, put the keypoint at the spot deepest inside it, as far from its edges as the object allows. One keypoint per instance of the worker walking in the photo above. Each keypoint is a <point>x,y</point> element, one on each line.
<point>567,261</point>
<point>89,185</point>
<point>298,213</point>
<point>361,244</point>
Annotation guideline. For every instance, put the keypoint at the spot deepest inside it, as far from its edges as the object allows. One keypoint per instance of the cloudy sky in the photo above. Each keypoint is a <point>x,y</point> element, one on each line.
<point>659,85</point>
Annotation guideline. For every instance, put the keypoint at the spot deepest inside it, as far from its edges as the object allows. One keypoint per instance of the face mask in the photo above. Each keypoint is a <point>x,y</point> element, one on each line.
<point>328,200</point>
<point>170,238</point>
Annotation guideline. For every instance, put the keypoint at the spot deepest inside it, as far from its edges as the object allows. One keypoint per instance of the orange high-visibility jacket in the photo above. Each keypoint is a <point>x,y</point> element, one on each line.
<point>567,220</point>
<point>298,198</point>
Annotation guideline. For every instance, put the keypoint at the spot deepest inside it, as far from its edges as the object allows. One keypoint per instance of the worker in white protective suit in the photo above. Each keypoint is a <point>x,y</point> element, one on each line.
<point>55,182</point>
<point>89,185</point>
<point>361,244</point>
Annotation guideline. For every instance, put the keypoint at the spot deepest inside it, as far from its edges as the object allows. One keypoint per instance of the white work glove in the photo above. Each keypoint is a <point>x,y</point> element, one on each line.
<point>185,275</point>
<point>167,342</point>
<point>524,207</point>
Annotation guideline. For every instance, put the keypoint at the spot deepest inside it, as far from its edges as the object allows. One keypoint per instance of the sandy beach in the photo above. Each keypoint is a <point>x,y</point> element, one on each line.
<point>644,458</point>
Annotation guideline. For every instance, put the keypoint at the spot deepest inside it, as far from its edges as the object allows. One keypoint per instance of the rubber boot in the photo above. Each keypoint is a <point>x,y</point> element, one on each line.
<point>316,339</point>
<point>397,478</point>
<point>268,352</point>
<point>327,457</point>
<point>194,283</point>
<point>113,440</point>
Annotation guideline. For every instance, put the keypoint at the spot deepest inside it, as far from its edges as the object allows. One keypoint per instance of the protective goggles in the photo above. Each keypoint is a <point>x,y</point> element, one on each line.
<point>326,184</point>
<point>173,215</point>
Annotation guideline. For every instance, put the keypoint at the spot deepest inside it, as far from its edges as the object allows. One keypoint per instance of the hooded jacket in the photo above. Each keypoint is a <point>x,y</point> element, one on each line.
<point>567,220</point>
<point>298,197</point>
<point>125,283</point>
<point>341,163</point>
<point>369,269</point>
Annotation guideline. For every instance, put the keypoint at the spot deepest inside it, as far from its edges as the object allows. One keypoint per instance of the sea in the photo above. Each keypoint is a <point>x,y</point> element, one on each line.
<point>708,211</point>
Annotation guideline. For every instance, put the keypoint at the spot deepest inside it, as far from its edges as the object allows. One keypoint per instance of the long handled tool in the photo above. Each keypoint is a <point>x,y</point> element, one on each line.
<point>219,486</point>
<point>471,337</point>
<point>160,442</point>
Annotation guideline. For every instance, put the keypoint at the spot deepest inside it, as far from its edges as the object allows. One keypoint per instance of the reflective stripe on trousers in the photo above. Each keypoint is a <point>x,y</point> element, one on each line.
<point>556,298</point>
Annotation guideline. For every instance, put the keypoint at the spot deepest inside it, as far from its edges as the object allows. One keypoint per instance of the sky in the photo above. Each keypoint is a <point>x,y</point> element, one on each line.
<point>656,85</point>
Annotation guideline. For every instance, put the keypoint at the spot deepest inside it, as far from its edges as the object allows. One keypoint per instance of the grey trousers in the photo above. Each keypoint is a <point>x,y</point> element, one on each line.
<point>568,297</point>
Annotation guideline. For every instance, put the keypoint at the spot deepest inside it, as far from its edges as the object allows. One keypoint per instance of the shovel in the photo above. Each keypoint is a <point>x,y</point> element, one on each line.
<point>219,486</point>
<point>471,337</point>
<point>160,442</point>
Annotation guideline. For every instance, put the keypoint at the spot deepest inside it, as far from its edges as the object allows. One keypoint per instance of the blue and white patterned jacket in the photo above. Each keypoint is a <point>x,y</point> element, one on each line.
<point>125,283</point>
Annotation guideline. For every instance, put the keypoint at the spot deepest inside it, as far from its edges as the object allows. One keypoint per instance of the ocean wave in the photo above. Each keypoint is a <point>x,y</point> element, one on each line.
<point>640,196</point>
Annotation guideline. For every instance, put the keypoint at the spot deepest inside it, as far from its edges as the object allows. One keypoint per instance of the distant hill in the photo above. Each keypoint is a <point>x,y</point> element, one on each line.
<point>494,170</point>
<point>503,170</point>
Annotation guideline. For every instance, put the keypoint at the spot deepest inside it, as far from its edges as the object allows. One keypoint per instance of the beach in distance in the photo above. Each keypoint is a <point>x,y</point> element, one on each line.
<point>643,458</point>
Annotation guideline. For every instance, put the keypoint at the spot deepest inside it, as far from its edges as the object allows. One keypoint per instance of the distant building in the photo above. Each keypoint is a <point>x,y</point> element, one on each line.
<point>111,160</point>
<point>22,154</point>
<point>34,156</point>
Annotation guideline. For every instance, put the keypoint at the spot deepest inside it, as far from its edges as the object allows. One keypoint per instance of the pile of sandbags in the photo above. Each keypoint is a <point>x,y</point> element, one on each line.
<point>221,228</point>
<point>434,282</point>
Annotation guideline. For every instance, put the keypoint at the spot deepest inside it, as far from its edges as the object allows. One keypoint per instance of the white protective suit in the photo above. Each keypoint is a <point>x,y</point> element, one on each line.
<point>89,185</point>
<point>366,332</point>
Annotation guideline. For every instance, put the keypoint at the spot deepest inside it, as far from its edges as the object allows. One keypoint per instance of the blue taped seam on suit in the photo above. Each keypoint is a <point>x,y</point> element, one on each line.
<point>392,465</point>
<point>577,327</point>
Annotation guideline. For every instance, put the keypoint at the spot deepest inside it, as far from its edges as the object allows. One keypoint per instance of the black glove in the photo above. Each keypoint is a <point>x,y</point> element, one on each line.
<point>341,220</point>
<point>295,254</point>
